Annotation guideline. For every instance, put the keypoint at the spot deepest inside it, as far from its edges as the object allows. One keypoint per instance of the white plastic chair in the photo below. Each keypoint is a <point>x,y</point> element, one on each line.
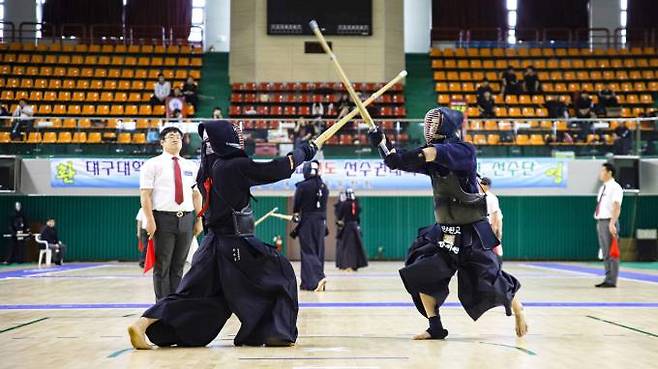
<point>45,251</point>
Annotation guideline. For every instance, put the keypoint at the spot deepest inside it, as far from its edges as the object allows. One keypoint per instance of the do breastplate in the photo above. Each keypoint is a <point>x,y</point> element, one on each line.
<point>454,206</point>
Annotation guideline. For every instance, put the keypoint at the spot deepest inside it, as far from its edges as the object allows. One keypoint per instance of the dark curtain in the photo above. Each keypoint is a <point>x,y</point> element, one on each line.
<point>541,14</point>
<point>146,17</point>
<point>642,16</point>
<point>475,15</point>
<point>86,12</point>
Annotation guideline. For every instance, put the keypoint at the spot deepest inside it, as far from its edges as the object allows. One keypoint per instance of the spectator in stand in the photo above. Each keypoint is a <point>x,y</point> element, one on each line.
<point>509,82</point>
<point>303,132</point>
<point>161,90</point>
<point>190,91</point>
<point>22,117</point>
<point>4,111</point>
<point>584,106</point>
<point>623,140</point>
<point>531,83</point>
<point>343,106</point>
<point>217,113</point>
<point>607,99</point>
<point>556,108</point>
<point>317,110</point>
<point>250,110</point>
<point>486,106</point>
<point>482,88</point>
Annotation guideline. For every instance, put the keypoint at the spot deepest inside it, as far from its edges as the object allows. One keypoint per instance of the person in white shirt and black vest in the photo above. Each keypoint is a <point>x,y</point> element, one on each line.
<point>606,213</point>
<point>170,202</point>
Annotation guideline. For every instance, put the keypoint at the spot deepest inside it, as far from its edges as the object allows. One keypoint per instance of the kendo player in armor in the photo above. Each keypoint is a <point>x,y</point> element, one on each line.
<point>461,239</point>
<point>353,255</point>
<point>232,272</point>
<point>310,212</point>
<point>19,230</point>
<point>339,229</point>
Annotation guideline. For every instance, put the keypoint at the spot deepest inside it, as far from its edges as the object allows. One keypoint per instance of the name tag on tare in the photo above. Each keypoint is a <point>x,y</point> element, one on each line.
<point>188,173</point>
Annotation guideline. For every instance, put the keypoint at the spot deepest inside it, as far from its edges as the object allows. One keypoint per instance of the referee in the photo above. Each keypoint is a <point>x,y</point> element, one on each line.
<point>170,201</point>
<point>606,213</point>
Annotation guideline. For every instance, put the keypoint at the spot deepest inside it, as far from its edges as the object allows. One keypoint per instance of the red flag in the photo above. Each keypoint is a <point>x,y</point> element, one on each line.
<point>150,256</point>
<point>140,245</point>
<point>614,249</point>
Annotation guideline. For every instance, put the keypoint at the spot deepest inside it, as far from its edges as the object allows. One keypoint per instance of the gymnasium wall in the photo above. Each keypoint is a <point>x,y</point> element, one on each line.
<point>255,56</point>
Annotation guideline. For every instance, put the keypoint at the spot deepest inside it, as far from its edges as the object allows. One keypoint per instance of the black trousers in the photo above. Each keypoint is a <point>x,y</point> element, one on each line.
<point>17,251</point>
<point>311,243</point>
<point>172,239</point>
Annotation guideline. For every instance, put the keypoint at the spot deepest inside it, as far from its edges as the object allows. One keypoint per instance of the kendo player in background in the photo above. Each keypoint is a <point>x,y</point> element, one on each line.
<point>233,272</point>
<point>353,255</point>
<point>339,230</point>
<point>310,212</point>
<point>461,239</point>
<point>19,230</point>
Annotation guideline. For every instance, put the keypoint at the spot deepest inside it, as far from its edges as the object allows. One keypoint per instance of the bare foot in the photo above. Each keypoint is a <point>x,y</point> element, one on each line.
<point>425,335</point>
<point>137,333</point>
<point>521,326</point>
<point>321,285</point>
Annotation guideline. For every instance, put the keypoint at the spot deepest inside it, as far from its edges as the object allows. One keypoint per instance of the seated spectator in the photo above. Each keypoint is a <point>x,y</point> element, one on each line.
<point>317,110</point>
<point>584,106</point>
<point>250,111</point>
<point>190,91</point>
<point>49,234</point>
<point>22,117</point>
<point>623,140</point>
<point>556,108</point>
<point>607,99</point>
<point>509,82</point>
<point>303,131</point>
<point>482,88</point>
<point>161,91</point>
<point>4,111</point>
<point>217,113</point>
<point>531,83</point>
<point>343,106</point>
<point>486,106</point>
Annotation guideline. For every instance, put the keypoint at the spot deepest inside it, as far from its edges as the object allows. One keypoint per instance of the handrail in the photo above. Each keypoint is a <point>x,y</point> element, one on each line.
<point>132,28</point>
<point>521,31</point>
<point>4,29</point>
<point>96,31</point>
<point>75,26</point>
<point>590,35</point>
<point>53,35</point>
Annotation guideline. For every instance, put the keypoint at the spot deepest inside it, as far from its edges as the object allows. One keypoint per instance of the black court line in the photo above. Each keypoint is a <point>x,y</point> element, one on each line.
<point>23,325</point>
<point>328,358</point>
<point>623,326</point>
<point>531,353</point>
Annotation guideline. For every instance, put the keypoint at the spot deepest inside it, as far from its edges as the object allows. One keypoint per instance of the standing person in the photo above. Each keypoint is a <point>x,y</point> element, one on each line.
<point>461,239</point>
<point>510,85</point>
<point>494,215</point>
<point>142,235</point>
<point>233,272</point>
<point>49,233</point>
<point>19,230</point>
<point>339,230</point>
<point>169,201</point>
<point>310,212</point>
<point>606,213</point>
<point>354,256</point>
<point>531,84</point>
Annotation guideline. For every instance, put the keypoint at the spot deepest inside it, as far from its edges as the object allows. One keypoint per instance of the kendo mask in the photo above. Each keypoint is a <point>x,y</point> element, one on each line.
<point>311,169</point>
<point>349,193</point>
<point>443,124</point>
<point>222,138</point>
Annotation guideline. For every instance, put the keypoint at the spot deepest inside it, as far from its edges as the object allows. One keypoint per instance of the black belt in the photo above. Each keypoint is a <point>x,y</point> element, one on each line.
<point>177,214</point>
<point>598,220</point>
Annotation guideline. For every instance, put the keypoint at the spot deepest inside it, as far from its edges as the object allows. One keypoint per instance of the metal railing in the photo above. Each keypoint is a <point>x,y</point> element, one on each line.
<point>267,137</point>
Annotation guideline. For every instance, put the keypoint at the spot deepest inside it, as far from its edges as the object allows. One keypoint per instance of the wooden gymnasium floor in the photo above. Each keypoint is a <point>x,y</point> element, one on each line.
<point>76,317</point>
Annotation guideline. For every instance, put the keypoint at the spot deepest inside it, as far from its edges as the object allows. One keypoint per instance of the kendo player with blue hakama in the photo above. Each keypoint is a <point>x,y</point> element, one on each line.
<point>232,272</point>
<point>461,239</point>
<point>310,214</point>
<point>352,254</point>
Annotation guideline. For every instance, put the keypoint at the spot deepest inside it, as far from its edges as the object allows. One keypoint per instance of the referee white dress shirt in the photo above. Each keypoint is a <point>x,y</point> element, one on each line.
<point>157,174</point>
<point>609,193</point>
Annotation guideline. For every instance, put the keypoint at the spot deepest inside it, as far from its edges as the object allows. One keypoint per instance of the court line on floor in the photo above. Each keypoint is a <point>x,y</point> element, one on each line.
<point>632,276</point>
<point>117,353</point>
<point>623,326</point>
<point>346,305</point>
<point>325,358</point>
<point>29,272</point>
<point>23,325</point>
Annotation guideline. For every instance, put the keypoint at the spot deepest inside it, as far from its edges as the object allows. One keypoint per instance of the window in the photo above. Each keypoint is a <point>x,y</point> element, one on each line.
<point>39,9</point>
<point>198,15</point>
<point>623,17</point>
<point>511,20</point>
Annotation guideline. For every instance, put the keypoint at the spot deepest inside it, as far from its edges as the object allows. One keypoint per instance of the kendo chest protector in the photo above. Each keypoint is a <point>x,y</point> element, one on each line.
<point>454,206</point>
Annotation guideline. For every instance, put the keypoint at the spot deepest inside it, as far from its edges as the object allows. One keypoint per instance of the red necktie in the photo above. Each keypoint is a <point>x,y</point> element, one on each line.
<point>178,182</point>
<point>598,204</point>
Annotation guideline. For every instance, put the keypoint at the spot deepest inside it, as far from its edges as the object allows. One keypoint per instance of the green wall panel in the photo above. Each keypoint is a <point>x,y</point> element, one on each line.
<point>540,227</point>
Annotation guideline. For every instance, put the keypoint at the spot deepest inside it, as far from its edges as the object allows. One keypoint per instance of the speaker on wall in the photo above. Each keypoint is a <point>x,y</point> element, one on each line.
<point>628,171</point>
